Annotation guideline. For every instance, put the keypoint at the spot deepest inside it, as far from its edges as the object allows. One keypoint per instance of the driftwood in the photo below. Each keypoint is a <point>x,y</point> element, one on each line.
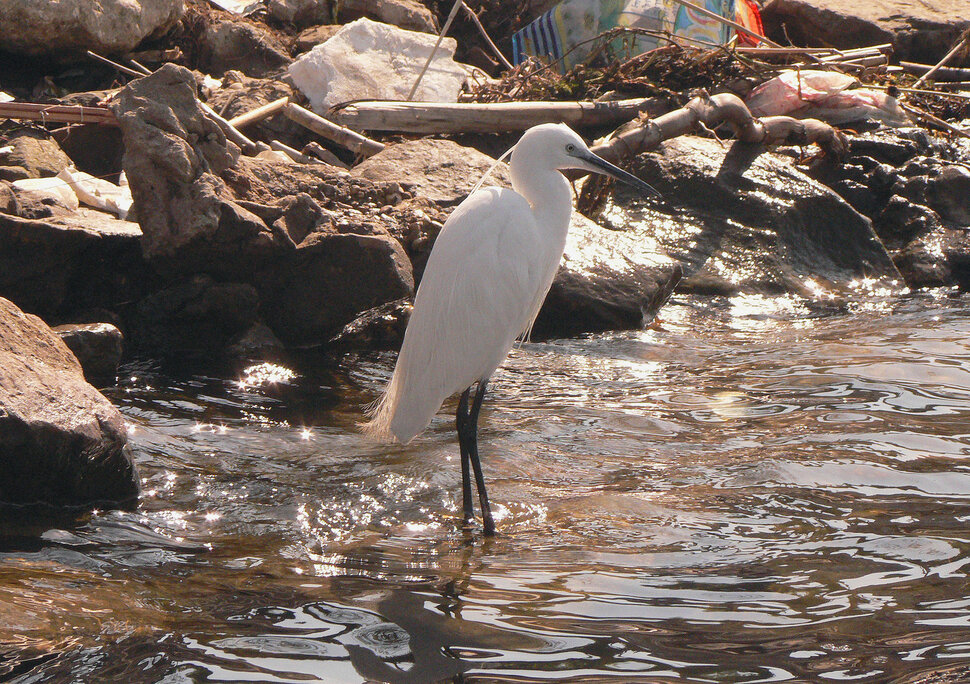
<point>710,111</point>
<point>259,114</point>
<point>57,113</point>
<point>489,117</point>
<point>706,112</point>
<point>345,137</point>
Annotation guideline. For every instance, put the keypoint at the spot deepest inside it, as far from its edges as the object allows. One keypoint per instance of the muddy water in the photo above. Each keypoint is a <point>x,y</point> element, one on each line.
<point>759,490</point>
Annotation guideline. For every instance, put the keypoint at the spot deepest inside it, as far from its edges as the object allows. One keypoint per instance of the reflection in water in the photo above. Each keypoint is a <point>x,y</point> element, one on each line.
<point>759,489</point>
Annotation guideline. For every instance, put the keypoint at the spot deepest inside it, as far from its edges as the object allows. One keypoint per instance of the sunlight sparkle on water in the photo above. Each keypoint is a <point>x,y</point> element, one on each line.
<point>265,374</point>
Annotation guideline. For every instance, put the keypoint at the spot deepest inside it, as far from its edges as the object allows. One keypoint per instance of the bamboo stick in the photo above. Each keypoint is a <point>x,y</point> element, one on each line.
<point>259,114</point>
<point>956,48</point>
<point>919,91</point>
<point>295,155</point>
<point>926,116</point>
<point>942,74</point>
<point>323,154</point>
<point>343,136</point>
<point>481,29</point>
<point>57,113</point>
<point>441,36</point>
<point>492,117</point>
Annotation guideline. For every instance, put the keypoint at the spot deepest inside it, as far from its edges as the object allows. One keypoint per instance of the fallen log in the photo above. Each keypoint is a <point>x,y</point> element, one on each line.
<point>353,141</point>
<point>490,117</point>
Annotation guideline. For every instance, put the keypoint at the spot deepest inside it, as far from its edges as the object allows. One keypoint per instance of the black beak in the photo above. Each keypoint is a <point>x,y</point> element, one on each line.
<point>604,167</point>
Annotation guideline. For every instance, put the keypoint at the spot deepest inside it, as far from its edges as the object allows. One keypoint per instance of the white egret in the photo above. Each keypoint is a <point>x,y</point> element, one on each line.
<point>486,278</point>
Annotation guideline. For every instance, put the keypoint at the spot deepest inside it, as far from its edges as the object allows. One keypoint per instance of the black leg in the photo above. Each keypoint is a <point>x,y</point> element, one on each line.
<point>461,424</point>
<point>487,520</point>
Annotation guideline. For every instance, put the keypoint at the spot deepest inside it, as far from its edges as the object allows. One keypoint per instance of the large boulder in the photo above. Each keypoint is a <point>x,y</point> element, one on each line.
<point>371,60</point>
<point>743,220</point>
<point>914,188</point>
<point>607,279</point>
<point>331,278</point>
<point>243,46</point>
<point>918,31</point>
<point>56,261</point>
<point>66,28</point>
<point>173,157</point>
<point>61,442</point>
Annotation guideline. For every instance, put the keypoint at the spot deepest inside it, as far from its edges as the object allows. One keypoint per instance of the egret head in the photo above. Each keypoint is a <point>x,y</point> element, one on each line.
<point>566,150</point>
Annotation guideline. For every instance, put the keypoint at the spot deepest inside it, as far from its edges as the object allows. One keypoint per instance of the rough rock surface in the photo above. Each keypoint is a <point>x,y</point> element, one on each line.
<point>242,46</point>
<point>746,222</point>
<point>34,155</point>
<point>173,155</point>
<point>607,279</point>
<point>405,14</point>
<point>68,27</point>
<point>371,60</point>
<point>329,280</point>
<point>97,346</point>
<point>243,94</point>
<point>914,188</point>
<point>61,442</point>
<point>60,261</point>
<point>197,316</point>
<point>919,31</point>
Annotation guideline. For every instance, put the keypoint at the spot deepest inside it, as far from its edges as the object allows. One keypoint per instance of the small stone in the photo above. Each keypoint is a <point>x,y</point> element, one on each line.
<point>97,346</point>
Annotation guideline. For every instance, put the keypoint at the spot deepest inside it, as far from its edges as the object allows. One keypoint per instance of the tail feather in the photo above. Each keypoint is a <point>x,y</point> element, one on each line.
<point>380,413</point>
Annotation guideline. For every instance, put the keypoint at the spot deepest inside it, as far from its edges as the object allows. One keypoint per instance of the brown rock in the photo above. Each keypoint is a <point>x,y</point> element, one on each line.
<point>61,442</point>
<point>34,155</point>
<point>919,31</point>
<point>97,346</point>
<point>173,155</point>
<point>329,280</point>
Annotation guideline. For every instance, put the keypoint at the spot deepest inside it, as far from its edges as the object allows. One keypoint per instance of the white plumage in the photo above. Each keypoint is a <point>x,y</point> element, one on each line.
<point>488,274</point>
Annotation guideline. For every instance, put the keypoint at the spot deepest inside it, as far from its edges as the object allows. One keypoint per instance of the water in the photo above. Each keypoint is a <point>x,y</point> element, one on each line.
<point>759,490</point>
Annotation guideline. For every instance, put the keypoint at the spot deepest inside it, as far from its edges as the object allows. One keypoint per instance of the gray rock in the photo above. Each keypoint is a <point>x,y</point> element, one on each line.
<point>608,280</point>
<point>313,36</point>
<point>949,194</point>
<point>97,346</point>
<point>406,14</point>
<point>61,442</point>
<point>742,220</point>
<point>918,31</point>
<point>329,280</point>
<point>173,158</point>
<point>66,28</point>
<point>442,170</point>
<point>379,328</point>
<point>300,13</point>
<point>67,261</point>
<point>241,46</point>
<point>34,155</point>
<point>258,343</point>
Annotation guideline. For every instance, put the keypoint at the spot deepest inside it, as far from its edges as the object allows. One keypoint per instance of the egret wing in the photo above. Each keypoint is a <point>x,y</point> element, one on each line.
<point>476,296</point>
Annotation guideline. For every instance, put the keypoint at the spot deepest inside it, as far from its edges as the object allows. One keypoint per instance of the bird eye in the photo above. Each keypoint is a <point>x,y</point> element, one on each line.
<point>570,147</point>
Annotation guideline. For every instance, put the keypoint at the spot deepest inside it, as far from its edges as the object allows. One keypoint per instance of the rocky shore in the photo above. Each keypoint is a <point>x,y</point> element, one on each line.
<point>228,249</point>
